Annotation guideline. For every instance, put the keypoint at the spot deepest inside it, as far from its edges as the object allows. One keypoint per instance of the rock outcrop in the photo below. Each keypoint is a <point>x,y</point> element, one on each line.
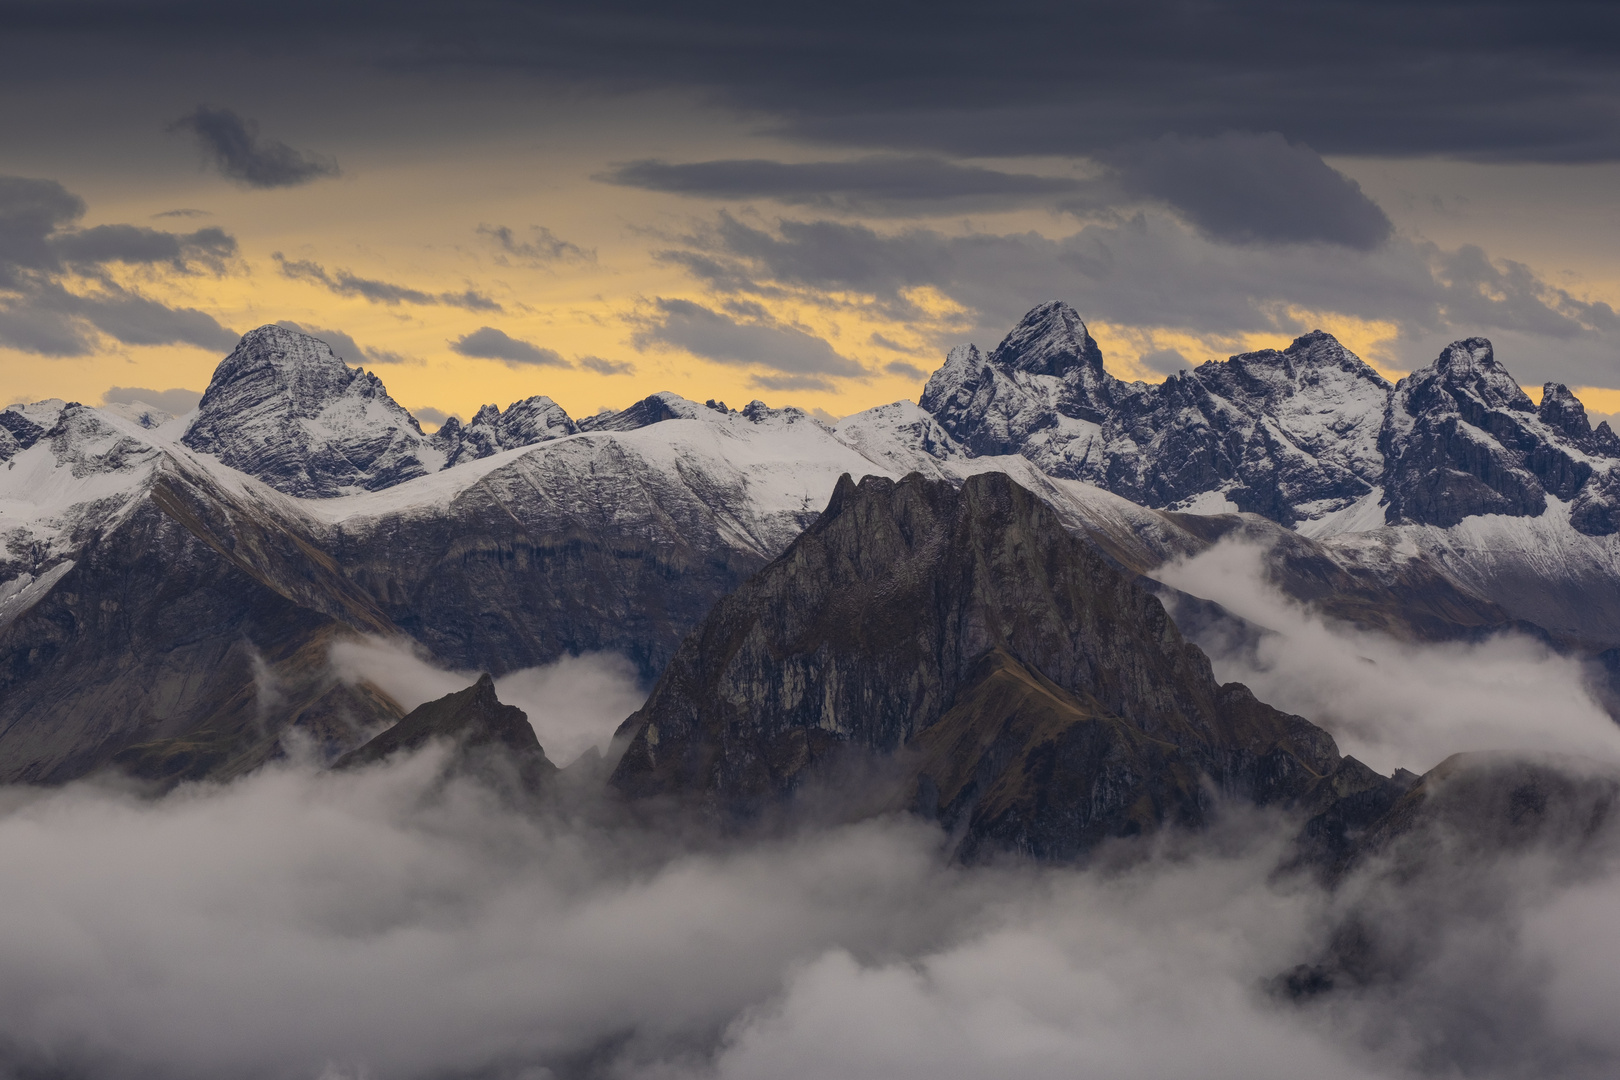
<point>1036,698</point>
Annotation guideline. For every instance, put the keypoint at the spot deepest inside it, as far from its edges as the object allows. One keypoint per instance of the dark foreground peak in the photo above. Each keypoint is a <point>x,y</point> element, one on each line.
<point>487,734</point>
<point>1028,695</point>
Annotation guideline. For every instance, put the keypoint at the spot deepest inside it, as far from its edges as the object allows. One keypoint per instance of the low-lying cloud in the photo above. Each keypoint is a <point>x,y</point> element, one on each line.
<point>390,922</point>
<point>383,923</point>
<point>177,400</point>
<point>1392,703</point>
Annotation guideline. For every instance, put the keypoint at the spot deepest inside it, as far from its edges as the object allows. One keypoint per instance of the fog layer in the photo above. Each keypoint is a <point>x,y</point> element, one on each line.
<point>390,923</point>
<point>1392,703</point>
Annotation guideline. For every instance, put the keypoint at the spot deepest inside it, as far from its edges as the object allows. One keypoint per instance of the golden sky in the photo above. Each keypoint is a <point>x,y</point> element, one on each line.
<point>422,213</point>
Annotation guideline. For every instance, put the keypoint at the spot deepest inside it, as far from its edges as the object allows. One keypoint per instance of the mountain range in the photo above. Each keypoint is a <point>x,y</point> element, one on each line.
<point>171,587</point>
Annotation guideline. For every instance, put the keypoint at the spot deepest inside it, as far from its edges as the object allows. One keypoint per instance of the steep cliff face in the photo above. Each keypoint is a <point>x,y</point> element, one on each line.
<point>899,620</point>
<point>283,408</point>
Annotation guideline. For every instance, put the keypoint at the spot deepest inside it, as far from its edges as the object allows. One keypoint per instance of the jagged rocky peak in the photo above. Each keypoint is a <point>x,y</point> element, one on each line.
<point>524,423</point>
<point>1051,339</point>
<point>284,408</point>
<point>1290,434</point>
<point>1038,698</point>
<point>1563,412</point>
<point>1471,365</point>
<point>1461,438</point>
<point>1313,363</point>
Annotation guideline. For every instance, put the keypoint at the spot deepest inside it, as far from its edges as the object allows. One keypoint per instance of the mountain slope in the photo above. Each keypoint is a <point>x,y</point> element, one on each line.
<point>902,606</point>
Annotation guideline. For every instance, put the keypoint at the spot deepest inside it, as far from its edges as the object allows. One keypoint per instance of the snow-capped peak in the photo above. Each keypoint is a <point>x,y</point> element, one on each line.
<point>1051,339</point>
<point>284,408</point>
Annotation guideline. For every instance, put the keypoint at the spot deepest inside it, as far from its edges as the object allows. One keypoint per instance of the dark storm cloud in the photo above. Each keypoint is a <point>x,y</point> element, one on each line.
<point>1495,80</point>
<point>431,414</point>
<point>488,343</point>
<point>1247,188</point>
<point>787,350</point>
<point>904,370</point>
<point>882,184</point>
<point>343,283</point>
<point>1240,188</point>
<point>1149,272</point>
<point>39,244</point>
<point>1165,361</point>
<point>544,246</point>
<point>233,145</point>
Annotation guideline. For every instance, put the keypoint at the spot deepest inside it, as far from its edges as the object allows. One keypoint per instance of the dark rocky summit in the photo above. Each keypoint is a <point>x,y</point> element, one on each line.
<point>1034,697</point>
<point>488,736</point>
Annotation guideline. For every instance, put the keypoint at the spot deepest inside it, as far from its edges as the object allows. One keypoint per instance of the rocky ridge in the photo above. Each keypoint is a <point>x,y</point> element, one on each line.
<point>619,536</point>
<point>1294,435</point>
<point>524,423</point>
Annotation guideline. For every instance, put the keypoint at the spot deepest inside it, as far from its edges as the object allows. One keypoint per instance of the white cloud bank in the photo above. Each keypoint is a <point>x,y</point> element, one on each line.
<point>1394,703</point>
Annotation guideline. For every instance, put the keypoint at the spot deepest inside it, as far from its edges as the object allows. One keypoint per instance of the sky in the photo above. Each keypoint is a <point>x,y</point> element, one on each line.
<point>805,204</point>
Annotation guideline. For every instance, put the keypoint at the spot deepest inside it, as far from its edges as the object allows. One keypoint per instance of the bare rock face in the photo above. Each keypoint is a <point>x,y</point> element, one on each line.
<point>1036,697</point>
<point>283,408</point>
<point>489,737</point>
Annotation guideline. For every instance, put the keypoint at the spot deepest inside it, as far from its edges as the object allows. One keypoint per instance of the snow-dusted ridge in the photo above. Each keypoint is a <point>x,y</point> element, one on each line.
<point>173,572</point>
